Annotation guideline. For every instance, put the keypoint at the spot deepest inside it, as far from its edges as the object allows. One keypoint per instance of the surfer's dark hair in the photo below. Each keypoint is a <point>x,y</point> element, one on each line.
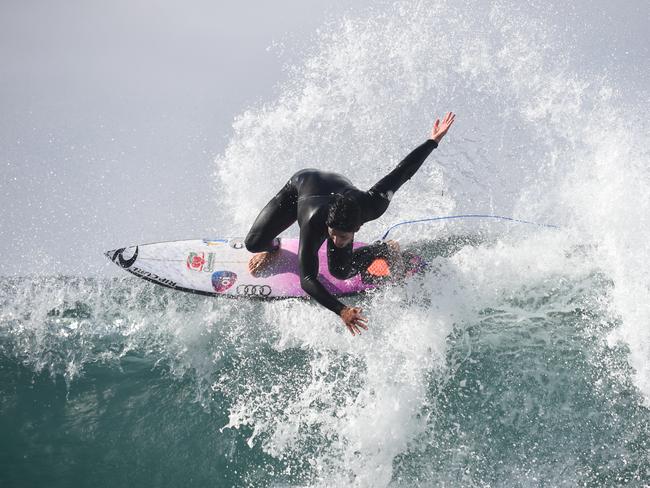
<point>344,214</point>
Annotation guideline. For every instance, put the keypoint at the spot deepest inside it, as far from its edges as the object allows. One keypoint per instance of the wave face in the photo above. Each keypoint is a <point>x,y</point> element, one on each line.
<point>520,358</point>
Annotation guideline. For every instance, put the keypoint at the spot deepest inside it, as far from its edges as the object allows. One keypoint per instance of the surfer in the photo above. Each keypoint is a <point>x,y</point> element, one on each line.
<point>327,206</point>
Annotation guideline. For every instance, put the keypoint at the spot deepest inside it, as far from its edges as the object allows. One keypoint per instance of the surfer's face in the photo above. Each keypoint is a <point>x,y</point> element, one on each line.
<point>340,238</point>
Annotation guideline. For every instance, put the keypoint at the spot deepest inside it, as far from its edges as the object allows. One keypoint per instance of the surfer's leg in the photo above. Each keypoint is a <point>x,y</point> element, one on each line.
<point>343,263</point>
<point>276,217</point>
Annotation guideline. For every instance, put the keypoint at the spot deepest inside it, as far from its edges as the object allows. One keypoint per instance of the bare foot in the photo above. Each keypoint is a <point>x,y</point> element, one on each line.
<point>260,262</point>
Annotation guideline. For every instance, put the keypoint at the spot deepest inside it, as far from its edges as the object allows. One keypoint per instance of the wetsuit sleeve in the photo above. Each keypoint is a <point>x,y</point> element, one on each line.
<point>392,182</point>
<point>375,201</point>
<point>308,258</point>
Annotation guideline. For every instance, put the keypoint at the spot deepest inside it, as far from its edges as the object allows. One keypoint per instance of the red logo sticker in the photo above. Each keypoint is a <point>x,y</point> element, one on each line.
<point>195,261</point>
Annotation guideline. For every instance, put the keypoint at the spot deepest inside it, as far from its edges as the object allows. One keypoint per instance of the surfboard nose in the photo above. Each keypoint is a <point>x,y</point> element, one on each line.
<point>124,257</point>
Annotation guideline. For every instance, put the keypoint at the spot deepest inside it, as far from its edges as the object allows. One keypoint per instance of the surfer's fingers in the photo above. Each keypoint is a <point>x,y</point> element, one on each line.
<point>355,324</point>
<point>362,325</point>
<point>450,118</point>
<point>361,322</point>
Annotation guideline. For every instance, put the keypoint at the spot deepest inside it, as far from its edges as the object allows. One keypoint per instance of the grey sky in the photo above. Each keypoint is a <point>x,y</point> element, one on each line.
<point>112,112</point>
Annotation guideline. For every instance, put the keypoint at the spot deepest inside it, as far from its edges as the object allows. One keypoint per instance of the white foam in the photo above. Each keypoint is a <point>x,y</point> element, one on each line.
<point>536,136</point>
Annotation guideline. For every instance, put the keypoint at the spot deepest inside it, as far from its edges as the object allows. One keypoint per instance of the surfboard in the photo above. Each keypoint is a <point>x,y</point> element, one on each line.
<point>219,267</point>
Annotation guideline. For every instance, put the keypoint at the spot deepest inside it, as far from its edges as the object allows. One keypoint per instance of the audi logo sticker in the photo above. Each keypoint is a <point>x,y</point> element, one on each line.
<point>254,290</point>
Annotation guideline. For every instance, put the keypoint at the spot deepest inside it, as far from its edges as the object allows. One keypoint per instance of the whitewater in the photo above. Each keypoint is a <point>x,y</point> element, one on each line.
<point>520,358</point>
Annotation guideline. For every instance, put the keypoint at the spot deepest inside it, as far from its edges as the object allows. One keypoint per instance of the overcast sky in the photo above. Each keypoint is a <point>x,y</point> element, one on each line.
<point>113,112</point>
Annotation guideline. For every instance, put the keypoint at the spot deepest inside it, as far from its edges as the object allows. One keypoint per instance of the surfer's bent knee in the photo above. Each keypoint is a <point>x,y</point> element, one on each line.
<point>254,244</point>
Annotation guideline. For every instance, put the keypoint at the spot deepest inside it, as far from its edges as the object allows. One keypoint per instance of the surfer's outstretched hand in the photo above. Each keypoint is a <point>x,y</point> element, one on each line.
<point>353,319</point>
<point>440,128</point>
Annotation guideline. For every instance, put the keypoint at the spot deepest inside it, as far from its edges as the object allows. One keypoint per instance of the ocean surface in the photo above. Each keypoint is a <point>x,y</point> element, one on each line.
<point>521,358</point>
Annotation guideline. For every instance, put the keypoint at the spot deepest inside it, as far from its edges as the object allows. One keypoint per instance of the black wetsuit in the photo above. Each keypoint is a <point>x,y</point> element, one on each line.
<point>306,198</point>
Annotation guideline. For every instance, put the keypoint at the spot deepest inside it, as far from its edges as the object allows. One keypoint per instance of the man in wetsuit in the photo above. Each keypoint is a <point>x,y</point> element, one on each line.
<point>329,207</point>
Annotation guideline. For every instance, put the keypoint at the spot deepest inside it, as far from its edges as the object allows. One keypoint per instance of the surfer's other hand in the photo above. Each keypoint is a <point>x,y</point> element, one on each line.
<point>393,246</point>
<point>353,319</point>
<point>440,128</point>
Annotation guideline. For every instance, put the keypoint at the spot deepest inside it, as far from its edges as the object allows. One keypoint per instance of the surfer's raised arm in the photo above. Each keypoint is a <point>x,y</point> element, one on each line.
<point>382,192</point>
